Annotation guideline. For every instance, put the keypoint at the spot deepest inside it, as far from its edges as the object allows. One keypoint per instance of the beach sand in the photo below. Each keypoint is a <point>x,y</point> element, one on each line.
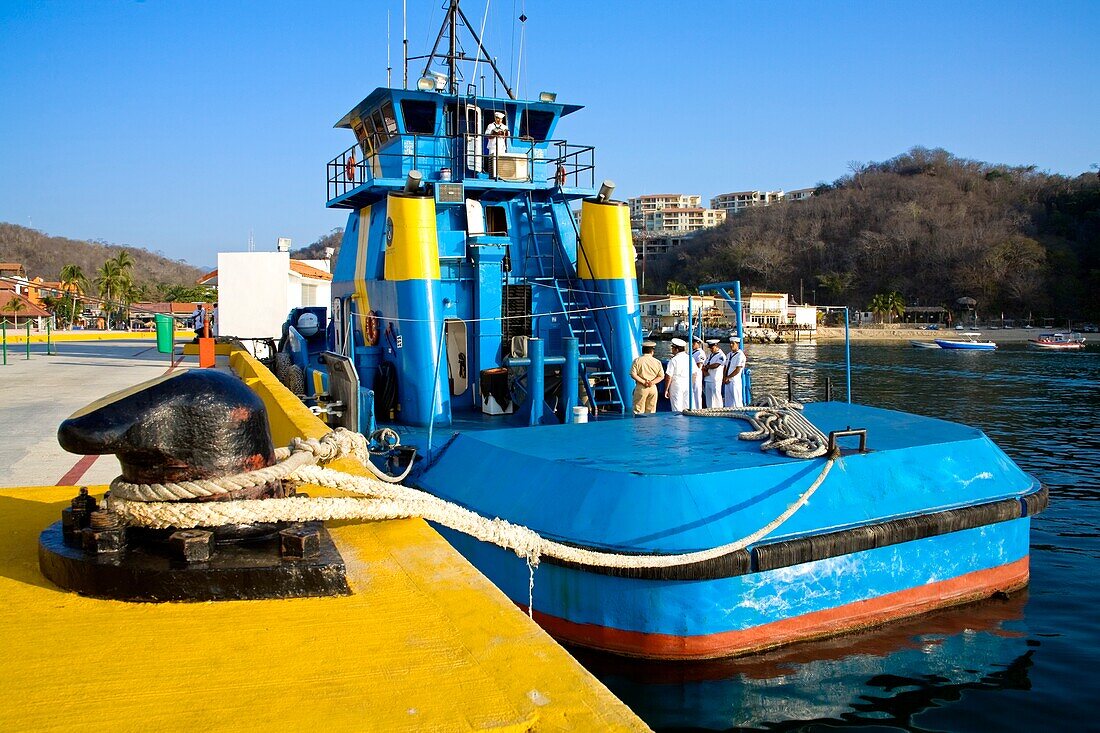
<point>876,333</point>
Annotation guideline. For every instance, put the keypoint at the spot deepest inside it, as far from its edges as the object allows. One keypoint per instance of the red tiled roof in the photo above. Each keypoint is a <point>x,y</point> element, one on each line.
<point>29,308</point>
<point>295,266</point>
<point>309,270</point>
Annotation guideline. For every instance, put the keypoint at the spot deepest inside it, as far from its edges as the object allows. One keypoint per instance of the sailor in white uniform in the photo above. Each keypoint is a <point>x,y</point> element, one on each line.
<point>497,134</point>
<point>698,358</point>
<point>713,369</point>
<point>733,393</point>
<point>676,376</point>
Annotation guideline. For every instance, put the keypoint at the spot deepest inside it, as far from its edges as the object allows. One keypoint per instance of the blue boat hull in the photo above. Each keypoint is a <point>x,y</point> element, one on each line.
<point>966,345</point>
<point>685,619</point>
<point>935,515</point>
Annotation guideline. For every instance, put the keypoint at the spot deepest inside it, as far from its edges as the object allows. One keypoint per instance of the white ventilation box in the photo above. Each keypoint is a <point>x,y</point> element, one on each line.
<point>509,167</point>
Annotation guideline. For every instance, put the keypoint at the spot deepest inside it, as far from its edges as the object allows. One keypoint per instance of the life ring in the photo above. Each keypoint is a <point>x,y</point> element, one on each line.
<point>370,329</point>
<point>349,169</point>
<point>559,176</point>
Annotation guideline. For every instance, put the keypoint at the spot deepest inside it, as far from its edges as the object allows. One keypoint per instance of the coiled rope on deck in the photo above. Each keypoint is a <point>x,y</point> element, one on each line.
<point>386,499</point>
<point>779,423</point>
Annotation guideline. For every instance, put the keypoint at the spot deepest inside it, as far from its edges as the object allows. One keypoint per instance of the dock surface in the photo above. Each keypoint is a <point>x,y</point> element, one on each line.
<point>36,394</point>
<point>424,643</point>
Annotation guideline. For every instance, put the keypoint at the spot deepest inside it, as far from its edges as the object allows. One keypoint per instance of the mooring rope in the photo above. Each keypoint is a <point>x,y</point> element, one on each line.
<point>779,423</point>
<point>159,505</point>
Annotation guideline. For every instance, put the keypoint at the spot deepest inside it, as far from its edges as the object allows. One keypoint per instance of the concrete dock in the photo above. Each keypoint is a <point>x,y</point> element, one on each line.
<point>423,643</point>
<point>36,394</point>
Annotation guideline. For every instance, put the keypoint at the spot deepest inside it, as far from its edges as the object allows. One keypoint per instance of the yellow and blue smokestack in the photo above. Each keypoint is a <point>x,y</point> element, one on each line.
<point>605,263</point>
<point>412,264</point>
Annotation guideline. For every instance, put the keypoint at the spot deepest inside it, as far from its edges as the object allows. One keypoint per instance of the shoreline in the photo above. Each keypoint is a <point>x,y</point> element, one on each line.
<point>999,335</point>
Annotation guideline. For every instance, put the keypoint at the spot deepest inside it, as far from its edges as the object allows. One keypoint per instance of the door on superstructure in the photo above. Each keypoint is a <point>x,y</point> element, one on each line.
<point>473,138</point>
<point>457,355</point>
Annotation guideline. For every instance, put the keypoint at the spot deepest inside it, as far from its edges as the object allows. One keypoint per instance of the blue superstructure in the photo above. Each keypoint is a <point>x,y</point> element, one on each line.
<point>477,312</point>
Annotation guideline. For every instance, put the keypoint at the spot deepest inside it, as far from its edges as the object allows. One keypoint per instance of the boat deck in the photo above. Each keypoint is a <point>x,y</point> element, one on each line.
<point>675,483</point>
<point>667,444</point>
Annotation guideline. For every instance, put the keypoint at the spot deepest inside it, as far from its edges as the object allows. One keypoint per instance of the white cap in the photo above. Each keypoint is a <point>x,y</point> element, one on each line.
<point>498,114</point>
<point>697,340</point>
<point>712,342</point>
<point>679,342</point>
<point>734,340</point>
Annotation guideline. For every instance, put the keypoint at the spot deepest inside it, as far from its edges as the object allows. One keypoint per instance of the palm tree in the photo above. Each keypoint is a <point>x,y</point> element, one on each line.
<point>125,263</point>
<point>896,305</point>
<point>110,282</point>
<point>887,304</point>
<point>74,283</point>
<point>17,306</point>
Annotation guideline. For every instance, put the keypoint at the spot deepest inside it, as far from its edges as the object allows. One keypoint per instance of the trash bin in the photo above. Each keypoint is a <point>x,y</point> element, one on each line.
<point>166,333</point>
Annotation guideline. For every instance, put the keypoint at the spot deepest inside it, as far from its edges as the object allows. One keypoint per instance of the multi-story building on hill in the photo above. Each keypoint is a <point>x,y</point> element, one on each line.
<point>663,221</point>
<point>737,201</point>
<point>799,194</point>
<point>641,205</point>
<point>681,219</point>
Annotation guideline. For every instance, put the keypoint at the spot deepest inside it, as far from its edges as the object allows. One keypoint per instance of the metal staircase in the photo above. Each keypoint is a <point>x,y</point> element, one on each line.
<point>554,270</point>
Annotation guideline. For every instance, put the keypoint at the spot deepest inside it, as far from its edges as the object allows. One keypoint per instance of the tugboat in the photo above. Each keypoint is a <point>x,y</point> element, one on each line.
<point>476,317</point>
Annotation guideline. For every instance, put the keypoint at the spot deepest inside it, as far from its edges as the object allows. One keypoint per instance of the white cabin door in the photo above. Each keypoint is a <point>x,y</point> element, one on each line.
<point>473,138</point>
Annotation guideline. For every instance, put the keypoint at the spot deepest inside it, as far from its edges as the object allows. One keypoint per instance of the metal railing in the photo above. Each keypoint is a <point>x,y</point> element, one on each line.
<point>464,156</point>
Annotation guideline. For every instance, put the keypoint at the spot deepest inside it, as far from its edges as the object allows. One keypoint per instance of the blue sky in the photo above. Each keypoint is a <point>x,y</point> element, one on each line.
<point>181,126</point>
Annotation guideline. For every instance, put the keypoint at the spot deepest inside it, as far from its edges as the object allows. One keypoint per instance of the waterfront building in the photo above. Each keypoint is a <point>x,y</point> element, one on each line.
<point>768,309</point>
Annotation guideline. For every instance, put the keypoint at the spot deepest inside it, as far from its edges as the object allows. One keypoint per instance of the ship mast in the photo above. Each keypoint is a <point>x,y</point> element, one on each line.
<point>454,55</point>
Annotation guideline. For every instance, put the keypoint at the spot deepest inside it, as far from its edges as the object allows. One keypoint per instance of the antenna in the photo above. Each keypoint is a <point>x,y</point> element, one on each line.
<point>389,69</point>
<point>405,40</point>
<point>453,55</point>
<point>251,242</point>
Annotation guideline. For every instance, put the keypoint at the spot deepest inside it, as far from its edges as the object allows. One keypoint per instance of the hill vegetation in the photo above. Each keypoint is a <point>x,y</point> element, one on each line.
<point>316,251</point>
<point>927,225</point>
<point>45,256</point>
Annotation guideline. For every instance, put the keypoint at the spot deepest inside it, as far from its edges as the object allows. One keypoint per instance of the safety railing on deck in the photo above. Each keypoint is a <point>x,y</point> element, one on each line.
<point>460,157</point>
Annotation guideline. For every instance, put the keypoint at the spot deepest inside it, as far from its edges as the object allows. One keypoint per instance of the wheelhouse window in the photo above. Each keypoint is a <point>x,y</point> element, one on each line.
<point>419,116</point>
<point>389,121</point>
<point>362,136</point>
<point>535,124</point>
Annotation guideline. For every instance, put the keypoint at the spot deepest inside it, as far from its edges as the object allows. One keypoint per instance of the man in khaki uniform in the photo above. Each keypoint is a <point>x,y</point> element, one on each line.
<point>647,373</point>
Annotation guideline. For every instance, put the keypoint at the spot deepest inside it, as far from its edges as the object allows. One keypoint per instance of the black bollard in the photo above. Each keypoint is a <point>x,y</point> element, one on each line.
<point>189,426</point>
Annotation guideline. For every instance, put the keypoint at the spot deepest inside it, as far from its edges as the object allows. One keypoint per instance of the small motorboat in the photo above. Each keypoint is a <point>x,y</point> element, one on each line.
<point>1058,341</point>
<point>917,344</point>
<point>969,342</point>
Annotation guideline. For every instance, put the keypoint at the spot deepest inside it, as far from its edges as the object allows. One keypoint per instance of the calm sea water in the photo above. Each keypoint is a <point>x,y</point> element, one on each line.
<point>1028,663</point>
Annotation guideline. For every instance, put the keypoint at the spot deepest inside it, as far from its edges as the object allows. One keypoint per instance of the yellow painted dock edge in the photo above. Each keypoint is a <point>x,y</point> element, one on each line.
<point>424,643</point>
<point>534,671</point>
